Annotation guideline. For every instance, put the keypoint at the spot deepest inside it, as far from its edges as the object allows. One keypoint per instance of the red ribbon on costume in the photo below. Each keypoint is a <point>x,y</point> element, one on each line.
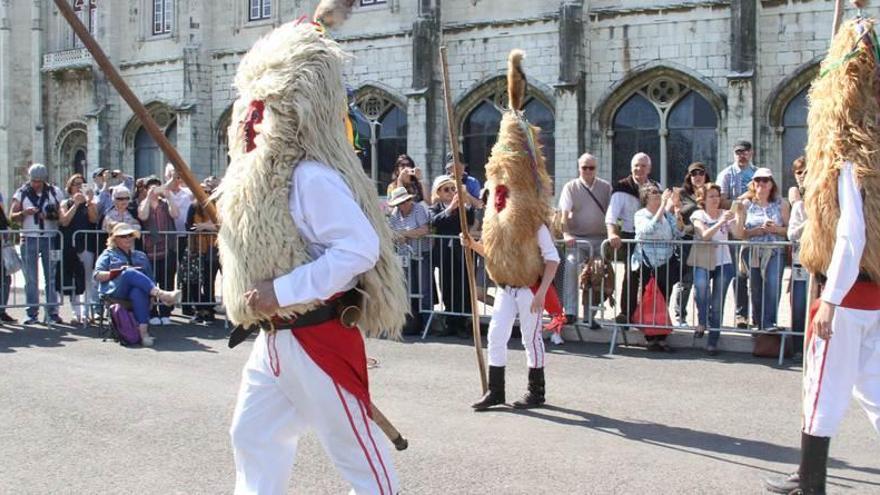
<point>254,116</point>
<point>500,197</point>
<point>553,307</point>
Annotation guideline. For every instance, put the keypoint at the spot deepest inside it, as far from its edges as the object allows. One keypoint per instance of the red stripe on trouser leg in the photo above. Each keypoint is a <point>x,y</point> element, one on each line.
<point>810,424</point>
<point>358,437</point>
<point>375,448</point>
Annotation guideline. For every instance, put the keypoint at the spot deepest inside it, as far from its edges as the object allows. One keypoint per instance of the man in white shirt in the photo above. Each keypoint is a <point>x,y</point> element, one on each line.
<point>583,203</point>
<point>620,224</point>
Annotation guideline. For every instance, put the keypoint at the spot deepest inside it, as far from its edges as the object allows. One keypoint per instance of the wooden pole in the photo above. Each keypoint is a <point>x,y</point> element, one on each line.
<point>838,15</point>
<point>468,253</point>
<point>137,107</point>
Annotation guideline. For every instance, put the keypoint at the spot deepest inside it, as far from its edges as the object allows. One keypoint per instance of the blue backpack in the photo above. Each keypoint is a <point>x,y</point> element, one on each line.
<point>125,326</point>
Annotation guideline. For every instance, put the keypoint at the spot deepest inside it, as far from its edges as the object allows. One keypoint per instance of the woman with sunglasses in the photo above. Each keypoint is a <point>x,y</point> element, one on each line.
<point>447,254</point>
<point>762,217</point>
<point>123,272</point>
<point>696,178</point>
<point>799,275</point>
<point>79,212</point>
<point>120,212</point>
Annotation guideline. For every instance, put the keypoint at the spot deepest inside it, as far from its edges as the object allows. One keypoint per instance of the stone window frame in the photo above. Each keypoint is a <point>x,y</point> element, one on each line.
<point>165,116</point>
<point>493,90</point>
<point>72,136</point>
<point>374,102</point>
<point>777,102</point>
<point>644,81</point>
<point>261,6</point>
<point>166,23</point>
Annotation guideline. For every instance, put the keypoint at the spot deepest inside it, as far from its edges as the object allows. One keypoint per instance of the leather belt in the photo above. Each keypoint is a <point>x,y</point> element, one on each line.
<point>345,307</point>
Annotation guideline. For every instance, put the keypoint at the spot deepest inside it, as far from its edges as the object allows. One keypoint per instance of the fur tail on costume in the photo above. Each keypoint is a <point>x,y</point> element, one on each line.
<point>332,13</point>
<point>516,80</point>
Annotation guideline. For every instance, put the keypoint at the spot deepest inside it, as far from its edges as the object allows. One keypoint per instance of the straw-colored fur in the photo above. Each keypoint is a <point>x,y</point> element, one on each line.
<point>843,126</point>
<point>297,72</point>
<point>512,254</point>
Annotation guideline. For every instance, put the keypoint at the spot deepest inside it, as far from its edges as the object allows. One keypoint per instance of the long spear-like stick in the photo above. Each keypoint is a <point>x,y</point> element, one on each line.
<point>137,107</point>
<point>468,253</point>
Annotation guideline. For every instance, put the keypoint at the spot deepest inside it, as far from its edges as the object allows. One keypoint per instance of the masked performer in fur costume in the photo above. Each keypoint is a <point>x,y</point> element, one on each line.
<point>305,253</point>
<point>843,208</point>
<point>519,251</point>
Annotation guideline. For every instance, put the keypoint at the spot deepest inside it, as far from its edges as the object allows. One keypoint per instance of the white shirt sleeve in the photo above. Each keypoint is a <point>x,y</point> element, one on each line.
<point>339,225</point>
<point>545,243</point>
<point>615,209</point>
<point>850,243</point>
<point>565,202</point>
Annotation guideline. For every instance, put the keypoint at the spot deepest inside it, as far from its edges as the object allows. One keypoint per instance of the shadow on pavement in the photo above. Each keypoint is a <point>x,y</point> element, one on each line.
<point>686,440</point>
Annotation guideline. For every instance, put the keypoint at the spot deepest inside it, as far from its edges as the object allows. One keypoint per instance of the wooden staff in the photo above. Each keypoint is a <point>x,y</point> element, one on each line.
<point>137,107</point>
<point>400,443</point>
<point>468,253</point>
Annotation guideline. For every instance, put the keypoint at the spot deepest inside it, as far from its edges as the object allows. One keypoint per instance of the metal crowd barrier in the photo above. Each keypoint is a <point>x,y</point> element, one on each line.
<point>761,318</point>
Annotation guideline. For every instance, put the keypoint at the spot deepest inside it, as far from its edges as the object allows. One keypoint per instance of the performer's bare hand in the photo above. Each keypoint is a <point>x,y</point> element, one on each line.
<point>822,320</point>
<point>538,302</point>
<point>262,298</point>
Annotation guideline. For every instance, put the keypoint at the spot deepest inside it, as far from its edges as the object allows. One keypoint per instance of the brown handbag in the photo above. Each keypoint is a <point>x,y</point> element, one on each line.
<point>767,346</point>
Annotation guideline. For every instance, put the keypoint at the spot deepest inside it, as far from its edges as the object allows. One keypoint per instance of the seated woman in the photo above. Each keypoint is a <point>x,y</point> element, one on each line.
<point>124,273</point>
<point>656,221</point>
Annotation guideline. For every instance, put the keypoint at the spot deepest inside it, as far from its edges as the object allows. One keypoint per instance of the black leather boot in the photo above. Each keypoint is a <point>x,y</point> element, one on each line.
<point>535,396</point>
<point>495,395</point>
<point>814,464</point>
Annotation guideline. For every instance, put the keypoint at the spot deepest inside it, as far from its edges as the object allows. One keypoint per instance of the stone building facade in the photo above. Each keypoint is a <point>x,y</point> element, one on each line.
<point>679,79</point>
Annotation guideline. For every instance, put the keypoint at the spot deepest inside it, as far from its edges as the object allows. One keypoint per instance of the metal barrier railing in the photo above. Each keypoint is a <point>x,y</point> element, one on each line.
<point>38,265</point>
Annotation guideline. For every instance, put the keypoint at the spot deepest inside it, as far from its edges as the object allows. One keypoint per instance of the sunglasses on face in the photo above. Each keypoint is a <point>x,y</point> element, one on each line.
<point>587,167</point>
<point>126,236</point>
<point>800,172</point>
<point>122,199</point>
<point>741,152</point>
<point>447,189</point>
<point>762,180</point>
<point>698,172</point>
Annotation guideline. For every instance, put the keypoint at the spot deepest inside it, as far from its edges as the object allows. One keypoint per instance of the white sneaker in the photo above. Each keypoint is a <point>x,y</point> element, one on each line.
<point>147,341</point>
<point>155,321</point>
<point>556,339</point>
<point>166,320</point>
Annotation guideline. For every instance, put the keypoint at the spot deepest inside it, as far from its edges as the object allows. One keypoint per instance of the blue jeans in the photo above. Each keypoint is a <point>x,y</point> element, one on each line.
<point>710,300</point>
<point>135,286</point>
<point>766,290</point>
<point>31,249</point>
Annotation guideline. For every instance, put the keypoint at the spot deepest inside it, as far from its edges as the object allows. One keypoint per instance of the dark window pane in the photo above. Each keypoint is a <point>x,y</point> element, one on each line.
<point>147,156</point>
<point>391,134</point>
<point>692,137</point>
<point>794,137</point>
<point>796,112</point>
<point>480,132</point>
<point>539,115</point>
<point>637,113</point>
<point>393,124</point>
<point>627,143</point>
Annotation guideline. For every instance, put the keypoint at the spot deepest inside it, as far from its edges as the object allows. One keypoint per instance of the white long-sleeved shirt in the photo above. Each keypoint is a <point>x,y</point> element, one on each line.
<point>843,270</point>
<point>340,239</point>
<point>545,244</point>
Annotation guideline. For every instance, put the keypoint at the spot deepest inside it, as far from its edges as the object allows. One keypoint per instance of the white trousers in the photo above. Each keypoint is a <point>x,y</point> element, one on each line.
<point>844,366</point>
<point>509,302</point>
<point>272,413</point>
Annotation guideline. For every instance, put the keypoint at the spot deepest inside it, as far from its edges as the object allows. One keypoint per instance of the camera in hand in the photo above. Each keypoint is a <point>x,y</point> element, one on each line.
<point>50,212</point>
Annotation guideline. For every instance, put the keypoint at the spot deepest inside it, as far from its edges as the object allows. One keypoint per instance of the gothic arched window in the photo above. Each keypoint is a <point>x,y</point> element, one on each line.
<point>148,158</point>
<point>670,122</point>
<point>382,137</point>
<point>794,135</point>
<point>480,130</point>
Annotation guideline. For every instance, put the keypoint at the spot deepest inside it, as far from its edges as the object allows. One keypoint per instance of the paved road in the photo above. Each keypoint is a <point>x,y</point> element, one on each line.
<point>85,416</point>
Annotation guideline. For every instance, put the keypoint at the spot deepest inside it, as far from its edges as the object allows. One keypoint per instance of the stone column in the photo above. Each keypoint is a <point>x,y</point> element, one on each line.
<point>421,139</point>
<point>570,112</point>
<point>38,140</point>
<point>6,176</point>
<point>741,79</point>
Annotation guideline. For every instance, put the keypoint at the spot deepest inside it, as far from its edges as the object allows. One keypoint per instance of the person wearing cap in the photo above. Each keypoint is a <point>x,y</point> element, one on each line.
<point>471,184</point>
<point>411,222</point>
<point>123,272</point>
<point>762,217</point>
<point>35,205</point>
<point>697,177</point>
<point>447,254</point>
<point>734,181</point>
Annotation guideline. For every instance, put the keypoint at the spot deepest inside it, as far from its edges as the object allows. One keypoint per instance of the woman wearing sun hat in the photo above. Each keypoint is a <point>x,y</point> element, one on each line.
<point>125,273</point>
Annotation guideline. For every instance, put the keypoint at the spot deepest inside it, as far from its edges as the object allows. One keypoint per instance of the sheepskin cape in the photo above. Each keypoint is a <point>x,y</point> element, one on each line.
<point>518,184</point>
<point>843,126</point>
<point>296,73</point>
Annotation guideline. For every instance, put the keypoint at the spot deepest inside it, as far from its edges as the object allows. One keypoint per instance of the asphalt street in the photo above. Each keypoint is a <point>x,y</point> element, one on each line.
<point>85,416</point>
